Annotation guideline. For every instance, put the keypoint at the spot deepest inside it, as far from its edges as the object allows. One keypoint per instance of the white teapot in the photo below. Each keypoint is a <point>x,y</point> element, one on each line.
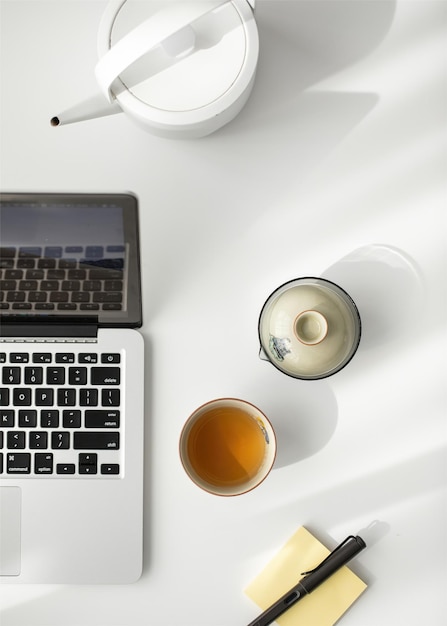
<point>178,68</point>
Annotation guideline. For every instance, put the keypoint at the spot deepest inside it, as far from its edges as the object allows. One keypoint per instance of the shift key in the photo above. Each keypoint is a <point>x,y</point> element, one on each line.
<point>96,441</point>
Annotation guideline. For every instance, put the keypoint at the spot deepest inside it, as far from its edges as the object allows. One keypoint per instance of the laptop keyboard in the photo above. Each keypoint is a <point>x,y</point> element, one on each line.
<point>60,413</point>
<point>62,278</point>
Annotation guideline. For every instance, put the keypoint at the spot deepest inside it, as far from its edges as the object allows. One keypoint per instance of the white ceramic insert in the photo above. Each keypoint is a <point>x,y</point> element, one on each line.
<point>309,328</point>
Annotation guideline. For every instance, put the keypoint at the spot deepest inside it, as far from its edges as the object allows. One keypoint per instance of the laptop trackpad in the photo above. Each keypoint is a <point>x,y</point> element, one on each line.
<point>10,526</point>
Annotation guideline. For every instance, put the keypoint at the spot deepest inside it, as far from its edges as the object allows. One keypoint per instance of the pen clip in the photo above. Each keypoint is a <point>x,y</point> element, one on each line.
<point>328,556</point>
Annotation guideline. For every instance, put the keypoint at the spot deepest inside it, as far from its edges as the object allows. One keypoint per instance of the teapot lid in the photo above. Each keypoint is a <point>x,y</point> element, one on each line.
<point>202,62</point>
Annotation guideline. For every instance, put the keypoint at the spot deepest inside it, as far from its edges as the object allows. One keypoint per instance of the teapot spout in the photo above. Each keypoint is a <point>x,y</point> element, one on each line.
<point>96,106</point>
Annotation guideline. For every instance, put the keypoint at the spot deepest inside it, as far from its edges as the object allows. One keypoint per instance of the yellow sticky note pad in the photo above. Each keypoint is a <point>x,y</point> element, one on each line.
<point>326,604</point>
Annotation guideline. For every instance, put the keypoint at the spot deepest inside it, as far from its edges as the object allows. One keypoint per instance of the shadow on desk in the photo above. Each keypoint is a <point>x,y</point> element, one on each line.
<point>388,289</point>
<point>304,413</point>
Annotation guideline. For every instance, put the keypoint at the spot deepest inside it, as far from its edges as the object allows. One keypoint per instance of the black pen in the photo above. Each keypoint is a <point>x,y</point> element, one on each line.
<point>333,562</point>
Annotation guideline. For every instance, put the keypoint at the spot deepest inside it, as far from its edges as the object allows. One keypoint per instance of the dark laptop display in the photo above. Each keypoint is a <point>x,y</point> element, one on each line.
<point>66,256</point>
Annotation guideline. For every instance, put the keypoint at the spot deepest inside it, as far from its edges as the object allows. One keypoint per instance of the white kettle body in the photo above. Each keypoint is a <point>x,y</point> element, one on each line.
<point>178,68</point>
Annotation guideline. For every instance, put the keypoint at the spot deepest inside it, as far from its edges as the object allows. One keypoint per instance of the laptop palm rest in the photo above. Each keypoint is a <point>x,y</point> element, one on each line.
<point>10,530</point>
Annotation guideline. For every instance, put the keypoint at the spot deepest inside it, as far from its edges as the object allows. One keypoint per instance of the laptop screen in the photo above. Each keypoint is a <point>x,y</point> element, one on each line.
<point>70,255</point>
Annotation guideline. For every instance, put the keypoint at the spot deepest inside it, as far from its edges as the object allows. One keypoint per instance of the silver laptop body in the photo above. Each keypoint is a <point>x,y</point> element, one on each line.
<point>71,389</point>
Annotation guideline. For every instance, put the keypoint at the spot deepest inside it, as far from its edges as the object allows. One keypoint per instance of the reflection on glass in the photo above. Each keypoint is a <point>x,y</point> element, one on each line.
<point>62,259</point>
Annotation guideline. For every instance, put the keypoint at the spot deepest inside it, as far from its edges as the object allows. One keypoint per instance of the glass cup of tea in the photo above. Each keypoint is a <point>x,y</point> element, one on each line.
<point>227,446</point>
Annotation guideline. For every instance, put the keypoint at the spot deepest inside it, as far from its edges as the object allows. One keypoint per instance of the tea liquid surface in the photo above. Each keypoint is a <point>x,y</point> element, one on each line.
<point>226,446</point>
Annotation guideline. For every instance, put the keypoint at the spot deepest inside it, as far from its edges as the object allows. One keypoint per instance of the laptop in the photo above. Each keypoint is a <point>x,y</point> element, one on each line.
<point>71,389</point>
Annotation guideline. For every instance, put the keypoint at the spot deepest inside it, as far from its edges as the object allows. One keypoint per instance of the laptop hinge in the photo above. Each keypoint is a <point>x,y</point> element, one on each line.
<point>61,327</point>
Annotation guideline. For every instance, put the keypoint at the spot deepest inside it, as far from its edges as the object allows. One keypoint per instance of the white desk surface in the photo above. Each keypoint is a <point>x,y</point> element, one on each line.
<point>336,167</point>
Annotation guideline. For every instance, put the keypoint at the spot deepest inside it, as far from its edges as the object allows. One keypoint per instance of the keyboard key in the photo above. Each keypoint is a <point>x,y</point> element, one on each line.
<point>49,285</point>
<point>77,375</point>
<point>35,274</point>
<point>21,397</point>
<point>88,469</point>
<point>66,306</point>
<point>77,274</point>
<point>110,397</point>
<point>113,285</point>
<point>13,274</point>
<point>114,264</point>
<point>71,419</point>
<point>19,357</point>
<point>65,357</point>
<point>96,441</point>
<point>44,397</point>
<point>37,296</point>
<point>89,306</point>
<point>44,306</point>
<point>94,252</point>
<point>30,251</point>
<point>60,441</point>
<point>110,468</point>
<point>15,296</point>
<point>43,463</point>
<point>7,418</point>
<point>49,419</point>
<point>4,397</point>
<point>79,296</point>
<point>105,274</point>
<point>102,419</point>
<point>59,296</point>
<point>104,296</point>
<point>55,375</point>
<point>67,264</point>
<point>54,252</point>
<point>71,285</point>
<point>88,357</point>
<point>53,274</point>
<point>25,263</point>
<point>42,357</point>
<point>45,264</point>
<point>88,463</point>
<point>110,357</point>
<point>105,375</point>
<point>7,252</point>
<point>33,375</point>
<point>18,463</point>
<point>89,458</point>
<point>66,397</point>
<point>28,418</point>
<point>112,306</point>
<point>28,285</point>
<point>15,440</point>
<point>65,468</point>
<point>38,440</point>
<point>11,376</point>
<point>91,285</point>
<point>88,397</point>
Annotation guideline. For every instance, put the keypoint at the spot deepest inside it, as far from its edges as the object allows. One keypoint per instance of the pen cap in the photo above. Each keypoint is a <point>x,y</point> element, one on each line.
<point>339,557</point>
